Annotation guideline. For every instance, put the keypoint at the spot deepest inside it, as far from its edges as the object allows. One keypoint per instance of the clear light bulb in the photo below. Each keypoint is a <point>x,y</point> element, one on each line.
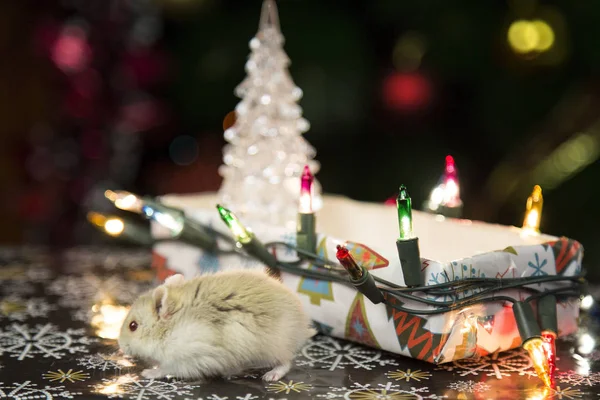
<point>125,200</point>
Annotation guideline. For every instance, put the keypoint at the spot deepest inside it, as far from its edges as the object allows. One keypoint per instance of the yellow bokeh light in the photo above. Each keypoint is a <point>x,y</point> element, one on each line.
<point>533,212</point>
<point>114,226</point>
<point>522,36</point>
<point>108,320</point>
<point>529,36</point>
<point>545,35</point>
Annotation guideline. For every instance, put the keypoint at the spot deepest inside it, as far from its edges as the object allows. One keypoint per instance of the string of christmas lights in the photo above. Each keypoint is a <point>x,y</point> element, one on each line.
<point>538,341</point>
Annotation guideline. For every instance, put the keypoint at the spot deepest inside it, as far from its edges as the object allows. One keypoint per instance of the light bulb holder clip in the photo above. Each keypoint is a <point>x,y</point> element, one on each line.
<point>526,321</point>
<point>410,259</point>
<point>136,234</point>
<point>255,248</point>
<point>193,233</point>
<point>449,212</point>
<point>366,285</point>
<point>546,308</point>
<point>306,237</point>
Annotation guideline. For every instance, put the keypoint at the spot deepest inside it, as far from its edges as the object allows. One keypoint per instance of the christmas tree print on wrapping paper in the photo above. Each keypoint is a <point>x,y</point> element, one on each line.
<point>565,252</point>
<point>159,263</point>
<point>357,325</point>
<point>421,343</point>
<point>366,256</point>
<point>317,290</point>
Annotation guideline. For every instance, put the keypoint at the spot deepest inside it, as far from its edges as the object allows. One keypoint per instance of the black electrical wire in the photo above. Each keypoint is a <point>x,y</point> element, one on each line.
<point>484,288</point>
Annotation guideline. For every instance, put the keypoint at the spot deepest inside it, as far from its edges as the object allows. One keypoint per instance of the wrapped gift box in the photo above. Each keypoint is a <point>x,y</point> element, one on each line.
<point>450,250</point>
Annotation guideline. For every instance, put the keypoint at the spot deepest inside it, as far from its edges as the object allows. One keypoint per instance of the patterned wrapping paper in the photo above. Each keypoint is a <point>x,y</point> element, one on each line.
<point>342,312</point>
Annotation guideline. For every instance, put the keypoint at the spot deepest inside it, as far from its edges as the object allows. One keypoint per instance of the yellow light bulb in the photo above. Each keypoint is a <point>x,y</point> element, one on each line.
<point>114,226</point>
<point>533,211</point>
<point>535,348</point>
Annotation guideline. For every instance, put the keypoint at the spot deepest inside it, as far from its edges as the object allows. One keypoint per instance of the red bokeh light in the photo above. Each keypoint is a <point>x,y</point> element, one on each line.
<point>407,91</point>
<point>450,167</point>
<point>71,52</point>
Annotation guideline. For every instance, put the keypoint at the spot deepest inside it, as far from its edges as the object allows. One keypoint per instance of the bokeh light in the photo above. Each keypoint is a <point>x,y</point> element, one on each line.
<point>530,36</point>
<point>406,91</point>
<point>184,150</point>
<point>71,52</point>
<point>409,51</point>
<point>114,226</point>
<point>229,120</point>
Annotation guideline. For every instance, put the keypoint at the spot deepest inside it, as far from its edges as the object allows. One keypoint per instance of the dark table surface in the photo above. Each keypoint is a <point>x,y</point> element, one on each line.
<point>59,315</point>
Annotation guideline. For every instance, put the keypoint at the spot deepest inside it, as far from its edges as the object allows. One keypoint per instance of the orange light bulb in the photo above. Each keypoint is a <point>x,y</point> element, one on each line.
<point>535,348</point>
<point>533,211</point>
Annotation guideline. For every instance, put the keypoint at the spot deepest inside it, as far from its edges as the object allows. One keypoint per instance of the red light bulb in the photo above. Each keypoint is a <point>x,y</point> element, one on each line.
<point>344,257</point>
<point>549,339</point>
<point>450,167</point>
<point>306,183</point>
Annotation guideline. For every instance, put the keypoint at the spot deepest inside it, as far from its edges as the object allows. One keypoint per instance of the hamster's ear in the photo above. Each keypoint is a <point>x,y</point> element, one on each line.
<point>176,279</point>
<point>165,306</point>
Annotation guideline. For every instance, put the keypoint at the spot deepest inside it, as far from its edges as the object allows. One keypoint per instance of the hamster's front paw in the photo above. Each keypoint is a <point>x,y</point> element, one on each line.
<point>277,373</point>
<point>154,373</point>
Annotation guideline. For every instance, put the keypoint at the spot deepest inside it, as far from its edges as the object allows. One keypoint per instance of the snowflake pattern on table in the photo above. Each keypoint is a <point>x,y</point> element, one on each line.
<point>247,396</point>
<point>128,387</point>
<point>407,375</point>
<point>287,387</point>
<point>103,362</point>
<point>538,266</point>
<point>70,375</point>
<point>18,288</point>
<point>29,391</point>
<point>329,353</point>
<point>88,257</point>
<point>575,379</point>
<point>78,291</point>
<point>387,391</point>
<point>498,365</point>
<point>17,308</point>
<point>568,393</point>
<point>21,341</point>
<point>469,386</point>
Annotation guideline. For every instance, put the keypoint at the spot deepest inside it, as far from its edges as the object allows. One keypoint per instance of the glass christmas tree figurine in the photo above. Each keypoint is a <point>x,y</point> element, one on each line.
<point>266,153</point>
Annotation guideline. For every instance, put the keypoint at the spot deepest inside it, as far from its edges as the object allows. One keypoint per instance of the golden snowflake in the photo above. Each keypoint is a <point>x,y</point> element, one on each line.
<point>369,394</point>
<point>279,387</point>
<point>62,376</point>
<point>567,393</point>
<point>407,375</point>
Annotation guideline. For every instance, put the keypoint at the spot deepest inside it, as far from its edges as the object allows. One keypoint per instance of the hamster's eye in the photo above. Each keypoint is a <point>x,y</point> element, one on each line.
<point>133,326</point>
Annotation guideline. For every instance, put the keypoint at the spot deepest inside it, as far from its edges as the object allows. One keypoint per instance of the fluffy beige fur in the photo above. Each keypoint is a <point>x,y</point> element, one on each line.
<point>217,325</point>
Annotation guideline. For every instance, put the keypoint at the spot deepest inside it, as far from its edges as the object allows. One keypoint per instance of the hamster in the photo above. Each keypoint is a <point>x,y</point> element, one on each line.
<point>216,325</point>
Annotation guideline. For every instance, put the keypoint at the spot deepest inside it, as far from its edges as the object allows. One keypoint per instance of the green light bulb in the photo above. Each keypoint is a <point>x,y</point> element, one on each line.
<point>237,229</point>
<point>404,204</point>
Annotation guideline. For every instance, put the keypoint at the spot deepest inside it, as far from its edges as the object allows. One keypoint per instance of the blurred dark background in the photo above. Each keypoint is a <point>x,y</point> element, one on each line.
<point>133,94</point>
